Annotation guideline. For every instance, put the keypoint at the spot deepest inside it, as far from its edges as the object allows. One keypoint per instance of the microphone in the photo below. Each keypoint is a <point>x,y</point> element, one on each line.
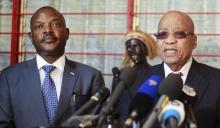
<point>101,95</point>
<point>143,101</point>
<point>116,73</point>
<point>172,115</point>
<point>127,76</point>
<point>170,88</point>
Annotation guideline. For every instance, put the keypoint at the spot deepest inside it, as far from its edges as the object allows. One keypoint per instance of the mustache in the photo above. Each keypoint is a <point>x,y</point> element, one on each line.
<point>48,36</point>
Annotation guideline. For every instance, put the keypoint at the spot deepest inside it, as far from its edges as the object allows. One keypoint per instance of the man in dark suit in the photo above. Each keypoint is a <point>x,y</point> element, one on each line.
<point>176,41</point>
<point>22,102</point>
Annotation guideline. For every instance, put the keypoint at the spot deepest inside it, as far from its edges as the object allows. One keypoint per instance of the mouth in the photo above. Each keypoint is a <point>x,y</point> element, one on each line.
<point>135,55</point>
<point>49,39</point>
<point>170,52</point>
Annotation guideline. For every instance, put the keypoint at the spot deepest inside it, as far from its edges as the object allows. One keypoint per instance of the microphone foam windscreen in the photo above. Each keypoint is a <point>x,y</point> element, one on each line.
<point>150,87</point>
<point>115,70</point>
<point>143,103</point>
<point>128,75</point>
<point>103,93</point>
<point>146,95</point>
<point>171,86</point>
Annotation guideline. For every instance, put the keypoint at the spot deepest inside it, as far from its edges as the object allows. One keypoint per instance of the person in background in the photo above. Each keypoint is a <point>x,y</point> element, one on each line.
<point>48,89</point>
<point>139,47</point>
<point>176,41</point>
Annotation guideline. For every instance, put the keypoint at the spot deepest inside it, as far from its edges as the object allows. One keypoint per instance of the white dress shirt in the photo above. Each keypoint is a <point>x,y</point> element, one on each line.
<point>56,74</point>
<point>184,70</point>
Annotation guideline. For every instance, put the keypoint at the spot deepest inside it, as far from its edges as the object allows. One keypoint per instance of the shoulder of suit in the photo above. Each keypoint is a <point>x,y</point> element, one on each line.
<point>206,67</point>
<point>82,66</point>
<point>17,66</point>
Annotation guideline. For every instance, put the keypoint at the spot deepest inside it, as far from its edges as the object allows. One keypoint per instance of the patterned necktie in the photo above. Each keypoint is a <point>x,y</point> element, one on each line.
<point>49,93</point>
<point>178,73</point>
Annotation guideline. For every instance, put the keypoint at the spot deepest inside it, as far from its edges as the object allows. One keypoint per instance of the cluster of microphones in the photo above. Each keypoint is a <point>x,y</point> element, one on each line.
<point>166,102</point>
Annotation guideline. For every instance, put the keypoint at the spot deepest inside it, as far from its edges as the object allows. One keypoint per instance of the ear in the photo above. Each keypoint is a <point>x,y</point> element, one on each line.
<point>67,33</point>
<point>30,36</point>
<point>195,41</point>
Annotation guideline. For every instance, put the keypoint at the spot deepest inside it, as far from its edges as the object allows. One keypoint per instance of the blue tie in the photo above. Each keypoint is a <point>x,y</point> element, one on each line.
<point>49,93</point>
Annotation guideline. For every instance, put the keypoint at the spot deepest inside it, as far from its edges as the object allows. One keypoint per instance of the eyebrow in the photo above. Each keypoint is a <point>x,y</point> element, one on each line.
<point>54,19</point>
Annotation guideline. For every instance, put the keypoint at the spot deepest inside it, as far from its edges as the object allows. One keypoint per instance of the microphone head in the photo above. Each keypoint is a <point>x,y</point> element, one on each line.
<point>171,86</point>
<point>128,76</point>
<point>174,109</point>
<point>146,95</point>
<point>150,87</point>
<point>115,70</point>
<point>102,94</point>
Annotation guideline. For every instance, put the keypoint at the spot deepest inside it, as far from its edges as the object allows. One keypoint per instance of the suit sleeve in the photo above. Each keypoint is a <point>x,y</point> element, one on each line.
<point>98,83</point>
<point>6,117</point>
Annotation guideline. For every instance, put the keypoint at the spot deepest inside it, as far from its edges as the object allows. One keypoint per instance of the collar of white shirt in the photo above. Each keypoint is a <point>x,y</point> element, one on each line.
<point>184,70</point>
<point>59,63</point>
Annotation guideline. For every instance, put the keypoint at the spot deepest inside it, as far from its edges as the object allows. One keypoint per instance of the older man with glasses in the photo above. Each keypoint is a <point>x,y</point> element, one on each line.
<point>176,41</point>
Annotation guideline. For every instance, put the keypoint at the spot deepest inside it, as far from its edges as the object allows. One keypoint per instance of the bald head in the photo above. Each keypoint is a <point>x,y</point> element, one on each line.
<point>176,40</point>
<point>46,9</point>
<point>173,16</point>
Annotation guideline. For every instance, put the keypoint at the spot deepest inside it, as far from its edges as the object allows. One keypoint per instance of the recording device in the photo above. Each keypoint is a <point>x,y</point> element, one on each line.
<point>172,115</point>
<point>127,77</point>
<point>101,95</point>
<point>169,89</point>
<point>116,73</point>
<point>143,101</point>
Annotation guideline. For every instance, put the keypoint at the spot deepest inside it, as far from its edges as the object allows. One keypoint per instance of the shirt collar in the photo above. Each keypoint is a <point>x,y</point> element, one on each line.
<point>59,63</point>
<point>184,70</point>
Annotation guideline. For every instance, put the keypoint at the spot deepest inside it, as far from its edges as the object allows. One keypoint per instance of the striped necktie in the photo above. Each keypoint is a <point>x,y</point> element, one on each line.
<point>49,94</point>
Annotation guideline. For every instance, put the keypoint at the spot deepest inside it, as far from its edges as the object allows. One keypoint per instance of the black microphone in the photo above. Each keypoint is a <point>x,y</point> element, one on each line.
<point>127,77</point>
<point>101,95</point>
<point>170,88</point>
<point>143,100</point>
<point>116,73</point>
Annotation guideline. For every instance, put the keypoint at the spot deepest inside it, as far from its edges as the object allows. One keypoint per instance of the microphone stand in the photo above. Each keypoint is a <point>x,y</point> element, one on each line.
<point>109,121</point>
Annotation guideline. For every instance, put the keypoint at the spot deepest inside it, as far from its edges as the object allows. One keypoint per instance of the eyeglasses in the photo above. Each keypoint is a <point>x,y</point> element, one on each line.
<point>177,35</point>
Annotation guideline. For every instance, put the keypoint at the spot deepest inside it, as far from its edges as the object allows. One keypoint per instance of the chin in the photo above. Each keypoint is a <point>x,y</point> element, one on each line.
<point>51,53</point>
<point>170,61</point>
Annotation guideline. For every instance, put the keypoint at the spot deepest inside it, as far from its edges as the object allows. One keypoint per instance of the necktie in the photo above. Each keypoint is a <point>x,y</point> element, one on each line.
<point>178,73</point>
<point>49,93</point>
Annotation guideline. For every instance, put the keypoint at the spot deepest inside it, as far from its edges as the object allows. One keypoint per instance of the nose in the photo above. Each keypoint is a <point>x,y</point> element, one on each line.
<point>47,29</point>
<point>170,39</point>
<point>134,49</point>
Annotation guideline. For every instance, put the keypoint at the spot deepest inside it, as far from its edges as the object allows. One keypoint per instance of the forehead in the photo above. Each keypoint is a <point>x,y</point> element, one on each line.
<point>134,41</point>
<point>46,13</point>
<point>176,21</point>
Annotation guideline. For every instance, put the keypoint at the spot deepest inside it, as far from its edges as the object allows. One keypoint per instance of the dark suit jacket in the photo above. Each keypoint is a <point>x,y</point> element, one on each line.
<point>21,101</point>
<point>206,82</point>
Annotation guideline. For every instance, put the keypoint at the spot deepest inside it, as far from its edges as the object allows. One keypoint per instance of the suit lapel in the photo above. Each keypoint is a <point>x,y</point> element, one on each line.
<point>70,76</point>
<point>31,76</point>
<point>158,70</point>
<point>196,79</point>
